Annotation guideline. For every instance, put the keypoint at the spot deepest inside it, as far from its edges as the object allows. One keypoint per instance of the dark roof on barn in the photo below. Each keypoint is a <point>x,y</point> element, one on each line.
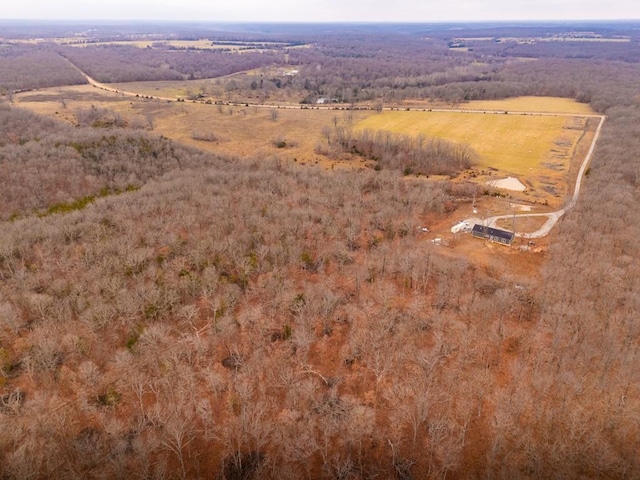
<point>492,232</point>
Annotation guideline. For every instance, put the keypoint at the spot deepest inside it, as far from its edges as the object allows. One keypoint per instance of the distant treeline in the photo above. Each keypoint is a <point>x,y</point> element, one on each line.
<point>352,68</point>
<point>124,63</point>
<point>24,67</point>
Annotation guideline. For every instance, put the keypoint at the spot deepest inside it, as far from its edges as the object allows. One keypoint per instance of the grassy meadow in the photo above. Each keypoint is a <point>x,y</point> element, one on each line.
<point>251,131</point>
<point>169,88</point>
<point>243,131</point>
<point>533,104</point>
<point>516,144</point>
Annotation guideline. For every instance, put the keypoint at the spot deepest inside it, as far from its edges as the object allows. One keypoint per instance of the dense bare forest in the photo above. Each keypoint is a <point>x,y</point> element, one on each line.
<point>47,165</point>
<point>23,67</point>
<point>166,313</point>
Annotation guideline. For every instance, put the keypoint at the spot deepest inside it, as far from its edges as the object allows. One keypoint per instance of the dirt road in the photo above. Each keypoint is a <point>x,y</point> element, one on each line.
<point>553,217</point>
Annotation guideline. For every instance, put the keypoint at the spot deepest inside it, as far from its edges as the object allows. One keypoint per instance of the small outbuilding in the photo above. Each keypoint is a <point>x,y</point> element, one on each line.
<point>493,234</point>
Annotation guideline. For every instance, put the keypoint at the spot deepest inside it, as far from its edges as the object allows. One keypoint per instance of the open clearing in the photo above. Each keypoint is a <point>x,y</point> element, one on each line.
<point>235,130</point>
<point>525,146</point>
<point>536,149</point>
<point>532,104</point>
<point>509,183</point>
<point>520,223</point>
<point>214,89</point>
<point>192,44</point>
<point>154,41</point>
<point>171,88</point>
<point>252,132</point>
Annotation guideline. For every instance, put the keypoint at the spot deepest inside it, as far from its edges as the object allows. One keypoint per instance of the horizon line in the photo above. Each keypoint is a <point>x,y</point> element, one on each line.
<point>325,22</point>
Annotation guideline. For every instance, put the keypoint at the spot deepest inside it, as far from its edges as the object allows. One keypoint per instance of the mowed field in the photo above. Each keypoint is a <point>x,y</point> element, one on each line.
<point>532,104</point>
<point>537,149</point>
<point>514,144</point>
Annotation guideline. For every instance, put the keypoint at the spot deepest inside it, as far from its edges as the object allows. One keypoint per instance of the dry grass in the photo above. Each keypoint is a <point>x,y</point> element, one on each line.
<point>214,88</point>
<point>170,88</point>
<point>536,149</point>
<point>515,144</point>
<point>249,131</point>
<point>242,131</point>
<point>533,104</point>
<point>202,44</point>
<point>522,224</point>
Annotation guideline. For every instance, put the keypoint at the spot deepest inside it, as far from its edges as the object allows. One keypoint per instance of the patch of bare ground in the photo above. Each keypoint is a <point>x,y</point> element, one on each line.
<point>522,224</point>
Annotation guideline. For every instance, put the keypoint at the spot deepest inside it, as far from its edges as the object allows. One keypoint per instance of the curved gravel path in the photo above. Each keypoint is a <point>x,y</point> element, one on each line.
<point>553,217</point>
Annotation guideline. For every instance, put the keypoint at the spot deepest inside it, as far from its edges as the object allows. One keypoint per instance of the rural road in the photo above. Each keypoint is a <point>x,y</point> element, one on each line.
<point>553,217</point>
<point>107,88</point>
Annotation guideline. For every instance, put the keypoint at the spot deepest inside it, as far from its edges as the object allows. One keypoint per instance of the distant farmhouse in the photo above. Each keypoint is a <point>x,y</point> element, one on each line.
<point>493,234</point>
<point>327,100</point>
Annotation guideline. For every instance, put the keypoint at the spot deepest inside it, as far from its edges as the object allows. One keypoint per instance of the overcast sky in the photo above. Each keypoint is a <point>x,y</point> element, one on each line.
<point>321,10</point>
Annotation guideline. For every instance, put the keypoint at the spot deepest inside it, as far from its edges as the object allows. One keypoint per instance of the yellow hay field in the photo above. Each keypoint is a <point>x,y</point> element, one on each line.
<point>514,144</point>
<point>532,104</point>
